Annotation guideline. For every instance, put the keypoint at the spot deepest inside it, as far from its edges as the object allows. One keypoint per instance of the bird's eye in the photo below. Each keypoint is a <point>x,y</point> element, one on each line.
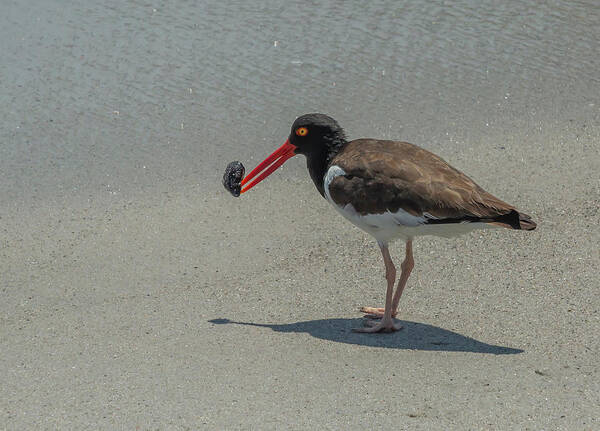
<point>301,131</point>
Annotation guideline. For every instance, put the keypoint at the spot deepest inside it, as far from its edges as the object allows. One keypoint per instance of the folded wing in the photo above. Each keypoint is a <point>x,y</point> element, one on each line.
<point>388,176</point>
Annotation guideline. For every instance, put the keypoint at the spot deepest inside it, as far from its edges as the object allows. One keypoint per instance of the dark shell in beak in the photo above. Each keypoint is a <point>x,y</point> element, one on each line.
<point>232,178</point>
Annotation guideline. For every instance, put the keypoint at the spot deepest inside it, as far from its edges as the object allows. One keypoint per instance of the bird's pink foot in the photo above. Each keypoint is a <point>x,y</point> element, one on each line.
<point>374,313</point>
<point>379,326</point>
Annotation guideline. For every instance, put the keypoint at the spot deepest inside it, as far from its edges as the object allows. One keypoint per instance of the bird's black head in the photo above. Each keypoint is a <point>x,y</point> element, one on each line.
<point>316,134</point>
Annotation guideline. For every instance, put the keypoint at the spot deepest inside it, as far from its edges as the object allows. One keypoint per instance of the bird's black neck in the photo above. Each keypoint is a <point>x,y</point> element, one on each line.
<point>318,161</point>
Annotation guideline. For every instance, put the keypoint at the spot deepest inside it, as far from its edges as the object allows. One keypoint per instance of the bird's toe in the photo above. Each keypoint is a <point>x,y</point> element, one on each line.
<point>372,326</point>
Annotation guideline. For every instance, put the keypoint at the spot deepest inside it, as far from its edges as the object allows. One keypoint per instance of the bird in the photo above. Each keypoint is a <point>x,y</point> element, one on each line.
<point>393,191</point>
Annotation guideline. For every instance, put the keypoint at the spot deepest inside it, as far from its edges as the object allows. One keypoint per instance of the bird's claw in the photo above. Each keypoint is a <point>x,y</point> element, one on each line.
<point>372,326</point>
<point>374,312</point>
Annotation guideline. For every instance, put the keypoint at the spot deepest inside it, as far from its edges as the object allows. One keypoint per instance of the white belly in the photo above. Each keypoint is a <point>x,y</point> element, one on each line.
<point>387,227</point>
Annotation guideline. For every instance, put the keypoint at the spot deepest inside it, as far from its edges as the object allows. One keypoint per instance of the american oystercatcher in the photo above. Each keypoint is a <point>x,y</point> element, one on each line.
<point>392,190</point>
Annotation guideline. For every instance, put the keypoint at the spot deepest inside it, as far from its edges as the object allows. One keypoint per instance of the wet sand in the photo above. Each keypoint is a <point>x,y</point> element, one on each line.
<point>135,292</point>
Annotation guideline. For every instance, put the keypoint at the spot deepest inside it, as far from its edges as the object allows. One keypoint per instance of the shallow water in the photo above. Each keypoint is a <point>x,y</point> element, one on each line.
<point>105,100</point>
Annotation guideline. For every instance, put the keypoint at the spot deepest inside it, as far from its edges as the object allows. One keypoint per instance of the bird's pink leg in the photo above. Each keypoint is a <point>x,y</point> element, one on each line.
<point>386,324</point>
<point>407,266</point>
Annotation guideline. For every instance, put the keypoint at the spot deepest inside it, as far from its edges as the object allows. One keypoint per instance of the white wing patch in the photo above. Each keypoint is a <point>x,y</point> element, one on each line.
<point>388,226</point>
<point>332,172</point>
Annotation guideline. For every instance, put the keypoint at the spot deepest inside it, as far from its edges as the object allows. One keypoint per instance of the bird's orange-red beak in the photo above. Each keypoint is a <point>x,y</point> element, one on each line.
<point>268,165</point>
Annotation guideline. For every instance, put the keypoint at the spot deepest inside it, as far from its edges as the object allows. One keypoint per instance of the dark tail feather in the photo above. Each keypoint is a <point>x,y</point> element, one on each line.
<point>525,222</point>
<point>514,220</point>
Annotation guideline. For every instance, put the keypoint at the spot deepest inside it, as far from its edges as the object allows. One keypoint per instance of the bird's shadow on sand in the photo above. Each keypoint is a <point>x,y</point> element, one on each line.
<point>414,336</point>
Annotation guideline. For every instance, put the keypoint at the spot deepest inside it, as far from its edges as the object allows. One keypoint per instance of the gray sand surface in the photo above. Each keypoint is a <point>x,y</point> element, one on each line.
<point>135,293</point>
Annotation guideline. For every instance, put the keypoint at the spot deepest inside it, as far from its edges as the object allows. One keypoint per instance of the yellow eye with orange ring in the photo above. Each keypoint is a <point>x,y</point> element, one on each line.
<point>301,131</point>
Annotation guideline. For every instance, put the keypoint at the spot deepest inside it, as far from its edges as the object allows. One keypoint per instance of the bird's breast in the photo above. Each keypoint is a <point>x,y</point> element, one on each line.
<point>385,225</point>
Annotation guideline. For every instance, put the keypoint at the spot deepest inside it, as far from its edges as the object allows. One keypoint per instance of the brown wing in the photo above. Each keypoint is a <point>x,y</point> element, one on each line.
<point>386,176</point>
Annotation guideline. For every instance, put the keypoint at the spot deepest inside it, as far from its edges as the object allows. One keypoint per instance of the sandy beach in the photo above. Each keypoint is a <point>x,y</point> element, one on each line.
<point>137,294</point>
